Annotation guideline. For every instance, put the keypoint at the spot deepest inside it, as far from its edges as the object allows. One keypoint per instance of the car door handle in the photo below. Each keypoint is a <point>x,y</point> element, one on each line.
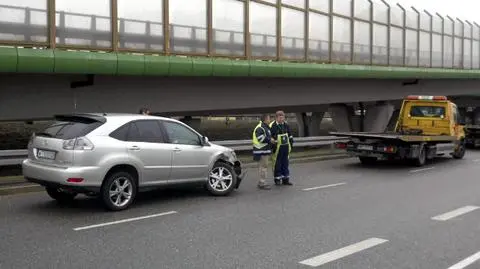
<point>177,149</point>
<point>134,148</point>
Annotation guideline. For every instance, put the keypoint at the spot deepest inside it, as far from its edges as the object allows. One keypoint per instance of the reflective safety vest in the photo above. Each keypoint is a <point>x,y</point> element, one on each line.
<point>261,146</point>
<point>282,140</point>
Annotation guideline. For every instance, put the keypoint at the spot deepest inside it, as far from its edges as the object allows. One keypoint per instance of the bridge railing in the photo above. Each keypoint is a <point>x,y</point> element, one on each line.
<point>376,33</point>
<point>15,157</point>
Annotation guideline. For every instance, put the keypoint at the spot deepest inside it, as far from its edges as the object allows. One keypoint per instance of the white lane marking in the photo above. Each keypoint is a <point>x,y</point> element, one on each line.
<point>421,170</point>
<point>475,257</point>
<point>343,252</point>
<point>455,213</point>
<point>19,187</point>
<point>324,186</point>
<point>124,220</point>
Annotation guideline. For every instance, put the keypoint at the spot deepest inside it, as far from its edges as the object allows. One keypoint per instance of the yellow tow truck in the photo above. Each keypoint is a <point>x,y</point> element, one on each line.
<point>427,127</point>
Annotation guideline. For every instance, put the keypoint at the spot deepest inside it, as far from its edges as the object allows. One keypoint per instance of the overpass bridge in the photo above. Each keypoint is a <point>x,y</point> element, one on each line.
<point>205,56</point>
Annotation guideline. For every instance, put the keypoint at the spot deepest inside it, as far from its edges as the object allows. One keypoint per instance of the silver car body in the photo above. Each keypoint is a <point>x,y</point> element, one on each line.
<point>157,164</point>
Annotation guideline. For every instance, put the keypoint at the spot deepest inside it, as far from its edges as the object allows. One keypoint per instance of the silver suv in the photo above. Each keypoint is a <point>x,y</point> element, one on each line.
<point>117,155</point>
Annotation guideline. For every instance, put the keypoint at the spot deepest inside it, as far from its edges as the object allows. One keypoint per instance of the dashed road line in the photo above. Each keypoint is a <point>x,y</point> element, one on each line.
<point>455,213</point>
<point>343,252</point>
<point>421,170</point>
<point>324,186</point>
<point>124,220</point>
<point>468,261</point>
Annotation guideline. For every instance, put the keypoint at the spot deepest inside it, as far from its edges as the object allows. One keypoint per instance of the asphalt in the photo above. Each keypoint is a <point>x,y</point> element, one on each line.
<point>343,204</point>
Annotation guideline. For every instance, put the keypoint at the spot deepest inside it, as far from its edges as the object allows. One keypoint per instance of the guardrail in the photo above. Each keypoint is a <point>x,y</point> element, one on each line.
<point>15,157</point>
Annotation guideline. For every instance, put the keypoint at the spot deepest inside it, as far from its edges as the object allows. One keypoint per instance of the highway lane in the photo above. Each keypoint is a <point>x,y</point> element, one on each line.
<point>338,215</point>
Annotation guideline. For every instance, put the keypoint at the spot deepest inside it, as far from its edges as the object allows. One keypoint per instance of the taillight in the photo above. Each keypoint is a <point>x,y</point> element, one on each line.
<point>80,143</point>
<point>389,149</point>
<point>75,180</point>
<point>341,145</point>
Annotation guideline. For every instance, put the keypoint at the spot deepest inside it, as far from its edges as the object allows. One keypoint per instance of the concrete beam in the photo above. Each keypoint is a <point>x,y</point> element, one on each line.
<point>26,96</point>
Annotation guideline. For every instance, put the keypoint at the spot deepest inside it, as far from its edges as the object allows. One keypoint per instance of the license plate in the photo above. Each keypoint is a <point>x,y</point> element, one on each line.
<point>365,147</point>
<point>45,154</point>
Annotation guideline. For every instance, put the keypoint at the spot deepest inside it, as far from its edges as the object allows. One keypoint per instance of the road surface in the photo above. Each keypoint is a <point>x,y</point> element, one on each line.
<point>337,215</point>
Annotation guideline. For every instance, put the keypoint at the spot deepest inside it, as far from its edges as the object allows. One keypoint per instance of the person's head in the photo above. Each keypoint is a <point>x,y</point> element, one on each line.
<point>280,116</point>
<point>265,118</point>
<point>144,111</point>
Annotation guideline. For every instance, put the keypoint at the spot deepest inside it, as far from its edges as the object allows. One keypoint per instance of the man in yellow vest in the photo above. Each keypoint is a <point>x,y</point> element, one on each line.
<point>262,149</point>
<point>283,141</point>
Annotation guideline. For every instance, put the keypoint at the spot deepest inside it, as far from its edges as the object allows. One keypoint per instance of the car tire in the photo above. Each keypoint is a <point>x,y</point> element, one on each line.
<point>460,153</point>
<point>422,157</point>
<point>60,196</point>
<point>221,179</point>
<point>119,191</point>
<point>368,160</point>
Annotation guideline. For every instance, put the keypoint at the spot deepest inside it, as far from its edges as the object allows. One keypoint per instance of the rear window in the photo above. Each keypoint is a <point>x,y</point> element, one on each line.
<point>427,111</point>
<point>70,129</point>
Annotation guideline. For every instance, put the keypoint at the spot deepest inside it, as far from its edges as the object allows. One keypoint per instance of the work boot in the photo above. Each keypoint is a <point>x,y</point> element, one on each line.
<point>286,181</point>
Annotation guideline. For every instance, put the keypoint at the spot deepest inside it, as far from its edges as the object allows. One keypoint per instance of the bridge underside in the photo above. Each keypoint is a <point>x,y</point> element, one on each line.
<point>25,96</point>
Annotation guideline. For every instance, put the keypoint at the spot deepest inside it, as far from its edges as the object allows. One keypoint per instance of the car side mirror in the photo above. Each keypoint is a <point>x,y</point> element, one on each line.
<point>204,141</point>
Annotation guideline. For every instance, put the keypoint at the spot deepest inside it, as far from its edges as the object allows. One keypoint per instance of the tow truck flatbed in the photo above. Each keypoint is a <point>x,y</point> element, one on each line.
<point>397,136</point>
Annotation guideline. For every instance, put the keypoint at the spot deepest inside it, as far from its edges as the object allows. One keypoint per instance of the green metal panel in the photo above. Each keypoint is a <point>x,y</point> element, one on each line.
<point>131,64</point>
<point>222,67</point>
<point>8,60</point>
<point>265,69</point>
<point>202,67</point>
<point>181,66</point>
<point>298,70</point>
<point>75,62</point>
<point>157,65</point>
<point>72,62</point>
<point>35,61</point>
<point>103,63</point>
<point>240,68</point>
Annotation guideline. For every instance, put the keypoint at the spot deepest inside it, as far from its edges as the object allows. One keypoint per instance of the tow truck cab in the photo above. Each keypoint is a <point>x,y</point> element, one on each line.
<point>426,127</point>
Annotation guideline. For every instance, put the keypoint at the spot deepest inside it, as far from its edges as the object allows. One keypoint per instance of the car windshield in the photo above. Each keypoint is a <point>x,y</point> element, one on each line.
<point>427,111</point>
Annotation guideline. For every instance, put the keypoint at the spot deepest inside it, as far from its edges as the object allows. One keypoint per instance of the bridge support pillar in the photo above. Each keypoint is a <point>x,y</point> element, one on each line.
<point>378,116</point>
<point>309,123</point>
<point>342,117</point>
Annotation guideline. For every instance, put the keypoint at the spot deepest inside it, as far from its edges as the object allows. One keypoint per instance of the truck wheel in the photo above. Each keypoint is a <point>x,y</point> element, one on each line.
<point>460,151</point>
<point>422,157</point>
<point>368,160</point>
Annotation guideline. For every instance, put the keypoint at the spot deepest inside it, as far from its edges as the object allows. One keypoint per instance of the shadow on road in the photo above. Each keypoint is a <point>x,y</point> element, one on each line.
<point>397,165</point>
<point>89,205</point>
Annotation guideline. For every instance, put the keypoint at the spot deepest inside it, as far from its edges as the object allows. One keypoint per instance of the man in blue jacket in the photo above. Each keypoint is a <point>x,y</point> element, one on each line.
<point>261,139</point>
<point>283,141</point>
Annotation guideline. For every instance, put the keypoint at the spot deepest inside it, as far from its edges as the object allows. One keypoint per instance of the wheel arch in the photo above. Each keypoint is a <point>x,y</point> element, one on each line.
<point>131,169</point>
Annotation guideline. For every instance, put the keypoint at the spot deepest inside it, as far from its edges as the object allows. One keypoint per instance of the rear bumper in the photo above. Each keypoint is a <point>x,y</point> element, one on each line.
<point>79,189</point>
<point>51,176</point>
<point>377,155</point>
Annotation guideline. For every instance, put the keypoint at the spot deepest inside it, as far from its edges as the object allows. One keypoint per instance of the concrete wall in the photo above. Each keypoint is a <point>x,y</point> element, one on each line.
<point>40,96</point>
